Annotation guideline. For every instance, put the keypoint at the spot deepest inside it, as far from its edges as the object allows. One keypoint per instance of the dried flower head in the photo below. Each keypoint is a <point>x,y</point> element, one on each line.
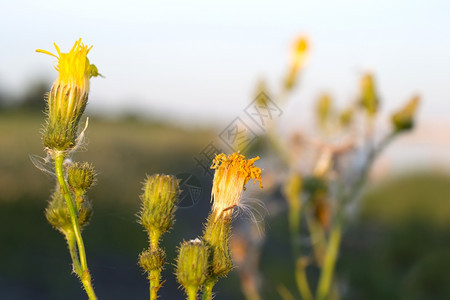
<point>231,175</point>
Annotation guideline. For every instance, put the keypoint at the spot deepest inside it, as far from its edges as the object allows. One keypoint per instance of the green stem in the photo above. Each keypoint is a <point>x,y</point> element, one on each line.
<point>319,239</point>
<point>73,253</point>
<point>154,278</point>
<point>301,279</point>
<point>154,237</point>
<point>87,283</point>
<point>207,289</point>
<point>326,276</point>
<point>155,275</point>
<point>325,280</point>
<point>192,294</point>
<point>85,276</point>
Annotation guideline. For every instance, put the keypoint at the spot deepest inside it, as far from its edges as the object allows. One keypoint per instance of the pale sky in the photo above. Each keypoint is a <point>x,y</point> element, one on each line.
<point>200,60</point>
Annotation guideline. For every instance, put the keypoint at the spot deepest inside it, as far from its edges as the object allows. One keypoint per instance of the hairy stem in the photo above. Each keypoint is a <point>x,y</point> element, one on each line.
<point>154,278</point>
<point>73,253</point>
<point>207,289</point>
<point>85,276</point>
<point>191,294</point>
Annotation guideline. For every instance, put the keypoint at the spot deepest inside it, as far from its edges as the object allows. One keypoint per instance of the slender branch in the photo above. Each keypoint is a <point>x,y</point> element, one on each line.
<point>73,253</point>
<point>326,276</point>
<point>85,276</point>
<point>294,226</point>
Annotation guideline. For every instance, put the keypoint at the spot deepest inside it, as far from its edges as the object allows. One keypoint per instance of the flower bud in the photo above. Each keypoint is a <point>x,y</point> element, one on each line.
<point>159,203</point>
<point>216,236</point>
<point>403,119</point>
<point>58,216</point>
<point>80,177</point>
<point>324,110</point>
<point>369,98</point>
<point>299,55</point>
<point>57,213</point>
<point>68,96</point>
<point>192,265</point>
<point>151,260</point>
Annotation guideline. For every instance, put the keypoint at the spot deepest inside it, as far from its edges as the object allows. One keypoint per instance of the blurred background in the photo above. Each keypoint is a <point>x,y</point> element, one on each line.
<point>177,75</point>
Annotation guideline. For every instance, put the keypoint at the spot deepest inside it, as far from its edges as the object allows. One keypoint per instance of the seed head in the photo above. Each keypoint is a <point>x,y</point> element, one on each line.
<point>231,175</point>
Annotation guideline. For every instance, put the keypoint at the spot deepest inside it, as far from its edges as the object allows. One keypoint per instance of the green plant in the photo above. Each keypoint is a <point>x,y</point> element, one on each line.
<point>69,209</point>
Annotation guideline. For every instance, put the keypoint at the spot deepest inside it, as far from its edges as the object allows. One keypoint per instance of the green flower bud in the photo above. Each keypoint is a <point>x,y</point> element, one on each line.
<point>403,119</point>
<point>151,260</point>
<point>57,213</point>
<point>216,236</point>
<point>324,109</point>
<point>58,216</point>
<point>159,203</point>
<point>85,213</point>
<point>81,177</point>
<point>369,99</point>
<point>346,117</point>
<point>192,265</point>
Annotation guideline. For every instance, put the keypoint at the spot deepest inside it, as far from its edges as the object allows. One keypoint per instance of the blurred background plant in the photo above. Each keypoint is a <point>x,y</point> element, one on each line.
<point>325,171</point>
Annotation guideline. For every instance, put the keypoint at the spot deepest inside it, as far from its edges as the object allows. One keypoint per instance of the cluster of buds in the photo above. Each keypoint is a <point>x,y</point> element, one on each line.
<point>80,178</point>
<point>68,97</point>
<point>157,216</point>
<point>66,102</point>
<point>202,262</point>
<point>69,210</point>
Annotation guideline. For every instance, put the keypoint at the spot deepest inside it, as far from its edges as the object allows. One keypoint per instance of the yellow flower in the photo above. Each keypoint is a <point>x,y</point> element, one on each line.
<point>231,175</point>
<point>68,97</point>
<point>74,67</point>
<point>300,53</point>
<point>299,56</point>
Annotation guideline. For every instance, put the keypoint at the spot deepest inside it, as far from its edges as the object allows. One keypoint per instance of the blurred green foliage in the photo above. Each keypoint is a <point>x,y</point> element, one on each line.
<point>398,246</point>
